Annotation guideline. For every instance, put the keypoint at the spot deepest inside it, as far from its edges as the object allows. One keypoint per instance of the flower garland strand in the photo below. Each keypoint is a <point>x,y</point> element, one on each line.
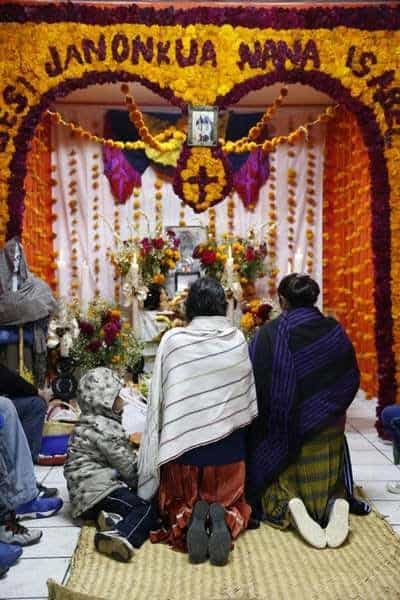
<point>230,213</point>
<point>158,207</point>
<point>136,205</point>
<point>73,212</point>
<point>272,234</point>
<point>96,223</point>
<point>212,232</point>
<point>292,208</point>
<point>267,146</point>
<point>182,215</point>
<point>136,117</point>
<point>117,229</point>
<point>310,206</point>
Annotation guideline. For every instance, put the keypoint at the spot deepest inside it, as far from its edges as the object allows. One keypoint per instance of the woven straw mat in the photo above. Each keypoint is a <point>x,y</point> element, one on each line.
<point>266,564</point>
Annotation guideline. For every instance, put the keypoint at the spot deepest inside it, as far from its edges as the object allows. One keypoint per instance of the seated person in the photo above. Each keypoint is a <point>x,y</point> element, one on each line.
<point>306,377</point>
<point>18,490</point>
<point>101,468</point>
<point>202,396</point>
<point>31,409</point>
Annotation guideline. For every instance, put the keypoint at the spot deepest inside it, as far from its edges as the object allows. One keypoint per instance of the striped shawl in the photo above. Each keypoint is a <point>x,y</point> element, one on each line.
<point>202,389</point>
<point>306,376</point>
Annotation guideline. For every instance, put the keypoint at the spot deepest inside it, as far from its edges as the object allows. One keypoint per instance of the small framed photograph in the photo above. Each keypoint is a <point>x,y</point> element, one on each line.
<point>183,279</point>
<point>202,126</point>
<point>190,237</point>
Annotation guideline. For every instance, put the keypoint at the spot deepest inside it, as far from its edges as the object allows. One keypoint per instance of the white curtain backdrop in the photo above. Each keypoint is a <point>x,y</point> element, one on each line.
<point>88,154</point>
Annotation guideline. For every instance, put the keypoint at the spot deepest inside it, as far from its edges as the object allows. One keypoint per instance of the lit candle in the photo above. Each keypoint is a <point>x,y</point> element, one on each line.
<point>298,261</point>
<point>135,272</point>
<point>289,265</point>
<point>229,267</point>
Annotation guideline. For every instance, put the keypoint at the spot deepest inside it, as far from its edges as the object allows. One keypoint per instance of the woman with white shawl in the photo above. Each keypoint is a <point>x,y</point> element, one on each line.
<point>202,397</point>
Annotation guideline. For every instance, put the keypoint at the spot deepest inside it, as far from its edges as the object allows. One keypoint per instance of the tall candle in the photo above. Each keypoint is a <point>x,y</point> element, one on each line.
<point>298,261</point>
<point>289,265</point>
<point>135,271</point>
<point>229,267</point>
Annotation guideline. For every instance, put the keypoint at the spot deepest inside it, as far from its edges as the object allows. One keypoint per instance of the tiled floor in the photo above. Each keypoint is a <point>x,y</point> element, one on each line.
<point>372,465</point>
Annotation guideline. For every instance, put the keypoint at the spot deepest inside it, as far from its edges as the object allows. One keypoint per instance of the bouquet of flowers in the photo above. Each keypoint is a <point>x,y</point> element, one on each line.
<point>213,257</point>
<point>104,341</point>
<point>155,256</point>
<point>256,313</point>
<point>248,258</point>
<point>158,256</point>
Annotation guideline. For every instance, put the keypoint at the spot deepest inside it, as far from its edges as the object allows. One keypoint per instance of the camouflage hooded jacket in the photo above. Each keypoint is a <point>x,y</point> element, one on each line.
<point>100,457</point>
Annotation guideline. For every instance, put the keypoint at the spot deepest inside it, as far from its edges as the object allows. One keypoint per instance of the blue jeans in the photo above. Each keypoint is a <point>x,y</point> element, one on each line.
<point>17,477</point>
<point>391,422</point>
<point>32,411</point>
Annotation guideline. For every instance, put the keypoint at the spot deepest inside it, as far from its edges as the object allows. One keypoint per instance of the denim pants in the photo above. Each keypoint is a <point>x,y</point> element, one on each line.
<point>139,517</point>
<point>17,476</point>
<point>32,411</point>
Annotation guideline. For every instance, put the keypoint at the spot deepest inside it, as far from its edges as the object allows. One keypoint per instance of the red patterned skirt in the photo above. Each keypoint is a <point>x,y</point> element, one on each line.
<point>181,486</point>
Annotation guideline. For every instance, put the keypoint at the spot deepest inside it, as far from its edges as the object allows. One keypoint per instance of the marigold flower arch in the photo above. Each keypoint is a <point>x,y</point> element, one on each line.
<point>215,56</point>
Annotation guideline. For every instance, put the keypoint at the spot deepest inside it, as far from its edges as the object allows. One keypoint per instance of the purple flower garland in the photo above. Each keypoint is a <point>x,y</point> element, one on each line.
<point>364,18</point>
<point>367,18</point>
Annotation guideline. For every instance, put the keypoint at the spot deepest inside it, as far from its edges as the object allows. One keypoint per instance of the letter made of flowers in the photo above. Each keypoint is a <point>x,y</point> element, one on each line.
<point>203,177</point>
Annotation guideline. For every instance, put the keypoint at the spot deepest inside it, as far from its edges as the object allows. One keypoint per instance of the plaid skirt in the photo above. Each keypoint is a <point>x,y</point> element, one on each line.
<point>181,486</point>
<point>316,478</point>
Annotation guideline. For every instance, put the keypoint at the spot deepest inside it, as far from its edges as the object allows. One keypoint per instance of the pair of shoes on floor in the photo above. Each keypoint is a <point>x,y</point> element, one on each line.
<point>9,555</point>
<point>217,544</point>
<point>336,532</point>
<point>12,532</point>
<point>46,492</point>
<point>39,508</point>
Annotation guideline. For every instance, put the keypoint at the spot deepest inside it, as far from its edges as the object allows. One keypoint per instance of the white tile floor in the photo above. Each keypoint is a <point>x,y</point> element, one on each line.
<point>372,465</point>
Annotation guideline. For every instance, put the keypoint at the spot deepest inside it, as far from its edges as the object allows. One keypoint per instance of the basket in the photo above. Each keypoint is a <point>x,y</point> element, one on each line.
<point>56,435</point>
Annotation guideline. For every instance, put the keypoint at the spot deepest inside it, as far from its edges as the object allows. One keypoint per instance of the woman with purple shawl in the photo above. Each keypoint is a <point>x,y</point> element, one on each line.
<point>306,376</point>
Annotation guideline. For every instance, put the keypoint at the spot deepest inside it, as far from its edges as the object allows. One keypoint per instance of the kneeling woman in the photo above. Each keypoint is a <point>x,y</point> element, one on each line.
<point>306,376</point>
<point>202,397</point>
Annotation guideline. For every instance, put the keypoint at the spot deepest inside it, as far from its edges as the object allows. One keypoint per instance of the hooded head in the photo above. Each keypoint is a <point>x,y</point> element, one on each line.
<point>97,392</point>
<point>8,263</point>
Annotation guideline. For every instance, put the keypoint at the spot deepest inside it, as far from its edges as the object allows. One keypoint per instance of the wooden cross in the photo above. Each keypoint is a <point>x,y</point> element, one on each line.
<point>202,180</point>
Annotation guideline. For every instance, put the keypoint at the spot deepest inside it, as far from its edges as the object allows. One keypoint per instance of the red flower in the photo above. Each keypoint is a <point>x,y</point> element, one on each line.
<point>158,243</point>
<point>263,312</point>
<point>86,328</point>
<point>208,257</point>
<point>94,345</point>
<point>250,254</point>
<point>146,244</point>
<point>110,332</point>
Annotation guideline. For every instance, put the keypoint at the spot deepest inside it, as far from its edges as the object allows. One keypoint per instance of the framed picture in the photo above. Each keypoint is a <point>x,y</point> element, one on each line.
<point>203,126</point>
<point>190,237</point>
<point>184,280</point>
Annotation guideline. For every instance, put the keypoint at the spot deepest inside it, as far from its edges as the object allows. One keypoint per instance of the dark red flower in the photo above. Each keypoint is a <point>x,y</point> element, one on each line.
<point>158,243</point>
<point>86,328</point>
<point>250,254</point>
<point>110,332</point>
<point>94,345</point>
<point>263,312</point>
<point>208,257</point>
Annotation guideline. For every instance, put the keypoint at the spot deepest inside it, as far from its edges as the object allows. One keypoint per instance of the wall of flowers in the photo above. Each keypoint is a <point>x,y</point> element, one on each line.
<point>214,56</point>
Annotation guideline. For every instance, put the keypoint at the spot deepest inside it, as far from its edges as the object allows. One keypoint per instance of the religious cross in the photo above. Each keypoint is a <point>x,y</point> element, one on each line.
<point>202,180</point>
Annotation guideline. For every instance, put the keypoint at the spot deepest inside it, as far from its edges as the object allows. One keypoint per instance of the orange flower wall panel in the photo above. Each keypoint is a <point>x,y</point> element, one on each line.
<point>37,235</point>
<point>348,259</point>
